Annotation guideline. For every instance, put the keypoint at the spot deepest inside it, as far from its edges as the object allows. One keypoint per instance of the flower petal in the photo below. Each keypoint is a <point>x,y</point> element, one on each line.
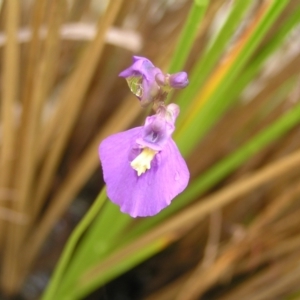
<point>148,194</point>
<point>140,77</point>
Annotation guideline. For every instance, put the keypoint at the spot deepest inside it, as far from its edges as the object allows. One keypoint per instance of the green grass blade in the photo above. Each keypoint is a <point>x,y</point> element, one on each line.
<point>212,54</point>
<point>188,35</point>
<point>96,243</point>
<point>276,41</point>
<point>251,70</point>
<point>65,258</point>
<point>89,282</point>
<point>202,118</point>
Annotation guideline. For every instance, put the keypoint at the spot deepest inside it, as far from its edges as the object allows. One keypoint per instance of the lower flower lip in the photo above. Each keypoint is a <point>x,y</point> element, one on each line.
<point>148,194</point>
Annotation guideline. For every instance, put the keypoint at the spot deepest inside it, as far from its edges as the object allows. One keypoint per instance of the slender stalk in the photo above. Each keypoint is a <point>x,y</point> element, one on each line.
<point>45,77</point>
<point>31,123</point>
<point>96,244</point>
<point>10,94</point>
<point>72,98</point>
<point>69,249</point>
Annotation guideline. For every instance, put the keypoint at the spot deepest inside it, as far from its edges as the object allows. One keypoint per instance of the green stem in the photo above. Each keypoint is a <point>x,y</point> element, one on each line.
<point>70,246</point>
<point>94,278</point>
<point>98,241</point>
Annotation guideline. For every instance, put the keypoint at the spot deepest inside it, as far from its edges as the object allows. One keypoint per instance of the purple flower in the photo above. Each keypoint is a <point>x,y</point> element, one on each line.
<point>140,77</point>
<point>143,168</point>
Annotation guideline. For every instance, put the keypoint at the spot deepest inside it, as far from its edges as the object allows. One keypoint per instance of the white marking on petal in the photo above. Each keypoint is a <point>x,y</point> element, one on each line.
<point>142,162</point>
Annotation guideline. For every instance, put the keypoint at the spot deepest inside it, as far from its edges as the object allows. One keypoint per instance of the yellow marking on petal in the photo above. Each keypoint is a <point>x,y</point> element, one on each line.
<point>142,162</point>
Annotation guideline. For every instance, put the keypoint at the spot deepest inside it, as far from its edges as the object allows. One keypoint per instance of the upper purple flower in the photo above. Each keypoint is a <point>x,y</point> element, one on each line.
<point>140,77</point>
<point>149,83</point>
<point>143,168</point>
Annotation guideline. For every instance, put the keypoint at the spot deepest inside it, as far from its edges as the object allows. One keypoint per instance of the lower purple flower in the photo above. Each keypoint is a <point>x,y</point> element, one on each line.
<point>143,168</point>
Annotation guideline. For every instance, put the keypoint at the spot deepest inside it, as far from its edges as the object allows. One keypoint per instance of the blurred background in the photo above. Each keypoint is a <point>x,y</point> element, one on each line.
<point>234,233</point>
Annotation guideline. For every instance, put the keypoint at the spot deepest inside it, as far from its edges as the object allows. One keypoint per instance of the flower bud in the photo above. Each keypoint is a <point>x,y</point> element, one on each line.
<point>178,80</point>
